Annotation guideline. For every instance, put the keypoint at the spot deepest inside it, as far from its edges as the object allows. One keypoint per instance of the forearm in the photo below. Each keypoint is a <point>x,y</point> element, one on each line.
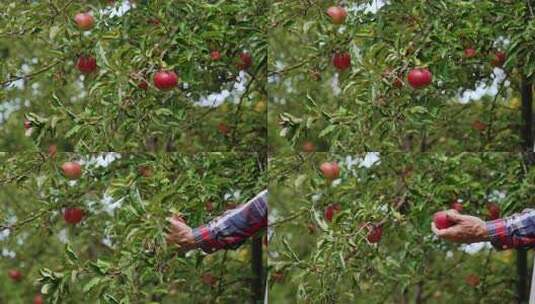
<point>517,231</point>
<point>234,227</point>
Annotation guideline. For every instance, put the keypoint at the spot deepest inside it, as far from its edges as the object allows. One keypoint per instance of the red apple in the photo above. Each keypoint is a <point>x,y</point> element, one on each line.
<point>277,276</point>
<point>311,228</point>
<point>208,279</point>
<point>390,75</point>
<point>165,80</point>
<point>331,210</point>
<point>499,59</point>
<point>145,171</point>
<point>15,275</point>
<point>330,170</point>
<point>223,128</point>
<point>494,211</point>
<point>309,146</point>
<point>375,233</point>
<point>215,55</point>
<point>472,280</point>
<point>209,206</point>
<point>72,170</point>
<point>86,64</point>
<point>478,125</point>
<point>407,171</point>
<point>441,220</point>
<point>84,21</point>
<point>73,215</point>
<point>27,124</point>
<point>153,21</point>
<point>38,299</point>
<point>457,206</point>
<point>52,150</point>
<point>470,52</point>
<point>338,14</point>
<point>419,78</point>
<point>341,61</point>
<point>245,61</point>
<point>143,84</point>
<point>397,83</point>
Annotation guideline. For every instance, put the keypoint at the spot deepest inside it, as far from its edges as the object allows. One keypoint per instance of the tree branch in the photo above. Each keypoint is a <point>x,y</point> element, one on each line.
<point>29,76</point>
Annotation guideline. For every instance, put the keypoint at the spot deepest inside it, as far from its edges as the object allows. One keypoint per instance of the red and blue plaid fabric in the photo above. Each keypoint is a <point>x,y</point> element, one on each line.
<point>232,229</point>
<point>517,231</point>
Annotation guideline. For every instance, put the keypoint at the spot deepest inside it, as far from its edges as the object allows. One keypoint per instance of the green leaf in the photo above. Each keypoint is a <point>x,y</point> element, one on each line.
<point>92,284</point>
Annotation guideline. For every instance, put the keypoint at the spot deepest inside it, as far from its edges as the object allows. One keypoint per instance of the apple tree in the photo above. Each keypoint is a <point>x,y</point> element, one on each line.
<point>412,75</point>
<point>133,75</point>
<point>356,228</point>
<point>91,227</point>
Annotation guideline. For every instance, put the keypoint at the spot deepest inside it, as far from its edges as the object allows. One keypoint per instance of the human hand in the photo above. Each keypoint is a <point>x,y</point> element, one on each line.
<point>465,229</point>
<point>180,234</point>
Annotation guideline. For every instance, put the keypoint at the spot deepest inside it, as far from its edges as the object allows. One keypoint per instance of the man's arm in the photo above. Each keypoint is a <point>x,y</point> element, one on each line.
<point>517,231</point>
<point>226,232</point>
<point>232,229</point>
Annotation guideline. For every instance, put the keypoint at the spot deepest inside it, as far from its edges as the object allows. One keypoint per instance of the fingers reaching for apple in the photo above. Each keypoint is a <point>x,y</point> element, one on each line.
<point>453,226</point>
<point>180,234</point>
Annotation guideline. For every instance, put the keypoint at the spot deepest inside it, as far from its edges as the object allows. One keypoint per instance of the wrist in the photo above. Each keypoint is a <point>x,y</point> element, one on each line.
<point>484,235</point>
<point>199,238</point>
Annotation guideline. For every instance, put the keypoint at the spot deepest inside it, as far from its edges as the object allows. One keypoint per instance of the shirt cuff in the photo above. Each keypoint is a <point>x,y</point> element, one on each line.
<point>204,238</point>
<point>499,234</point>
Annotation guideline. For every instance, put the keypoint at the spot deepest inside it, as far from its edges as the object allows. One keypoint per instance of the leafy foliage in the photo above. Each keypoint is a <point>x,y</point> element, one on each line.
<point>107,110</point>
<point>118,253</point>
<point>371,107</point>
<point>313,260</point>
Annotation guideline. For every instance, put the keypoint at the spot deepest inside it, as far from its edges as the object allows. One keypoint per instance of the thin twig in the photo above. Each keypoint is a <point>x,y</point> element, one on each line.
<point>31,75</point>
<point>530,8</point>
<point>287,219</point>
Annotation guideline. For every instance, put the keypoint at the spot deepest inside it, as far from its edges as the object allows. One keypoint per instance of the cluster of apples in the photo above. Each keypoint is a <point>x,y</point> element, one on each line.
<point>418,77</point>
<point>164,80</point>
<point>340,60</point>
<point>421,77</point>
<point>72,171</point>
<point>86,64</point>
<point>331,171</point>
<point>498,58</point>
<point>72,215</point>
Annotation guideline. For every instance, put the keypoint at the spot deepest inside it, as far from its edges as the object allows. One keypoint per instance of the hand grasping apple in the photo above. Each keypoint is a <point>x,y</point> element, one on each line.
<point>453,226</point>
<point>180,234</point>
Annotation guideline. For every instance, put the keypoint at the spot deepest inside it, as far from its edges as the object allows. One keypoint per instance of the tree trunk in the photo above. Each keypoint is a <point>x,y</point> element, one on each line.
<point>526,88</point>
<point>256,262</point>
<point>527,115</point>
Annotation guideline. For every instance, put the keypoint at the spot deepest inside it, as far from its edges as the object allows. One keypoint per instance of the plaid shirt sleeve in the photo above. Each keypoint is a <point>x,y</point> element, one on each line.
<point>232,229</point>
<point>517,231</point>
